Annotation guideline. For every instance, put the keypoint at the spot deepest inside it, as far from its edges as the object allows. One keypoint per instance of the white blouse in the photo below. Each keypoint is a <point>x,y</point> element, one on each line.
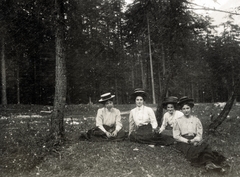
<point>187,126</point>
<point>109,118</point>
<point>142,116</point>
<point>170,119</point>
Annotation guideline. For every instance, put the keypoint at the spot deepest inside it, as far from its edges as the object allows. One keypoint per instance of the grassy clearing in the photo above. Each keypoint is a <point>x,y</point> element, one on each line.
<point>24,151</point>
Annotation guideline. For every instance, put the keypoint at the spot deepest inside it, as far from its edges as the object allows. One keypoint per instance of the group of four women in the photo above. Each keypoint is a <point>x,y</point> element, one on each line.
<point>179,128</point>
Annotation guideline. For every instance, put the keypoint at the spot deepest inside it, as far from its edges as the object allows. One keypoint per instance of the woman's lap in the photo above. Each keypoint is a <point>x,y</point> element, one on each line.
<point>96,134</point>
<point>199,155</point>
<point>144,135</point>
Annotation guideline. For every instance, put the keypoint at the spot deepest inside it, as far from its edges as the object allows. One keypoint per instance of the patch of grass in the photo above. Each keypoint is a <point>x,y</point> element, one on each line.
<point>25,152</point>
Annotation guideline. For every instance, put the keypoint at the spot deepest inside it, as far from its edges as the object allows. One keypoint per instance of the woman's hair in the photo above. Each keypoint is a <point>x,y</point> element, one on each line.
<point>190,104</point>
<point>185,101</point>
<point>170,100</point>
<point>174,105</point>
<point>139,92</point>
<point>143,97</point>
<point>104,102</point>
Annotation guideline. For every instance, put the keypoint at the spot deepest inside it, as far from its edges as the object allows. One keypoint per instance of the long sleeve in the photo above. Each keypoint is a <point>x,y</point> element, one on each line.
<point>188,126</point>
<point>199,127</point>
<point>109,118</point>
<point>164,123</point>
<point>152,117</point>
<point>99,120</point>
<point>177,133</point>
<point>131,122</point>
<point>118,121</point>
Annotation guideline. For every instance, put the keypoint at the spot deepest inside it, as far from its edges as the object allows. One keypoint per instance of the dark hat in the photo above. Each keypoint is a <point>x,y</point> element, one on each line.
<point>185,100</point>
<point>170,100</point>
<point>105,97</point>
<point>139,92</point>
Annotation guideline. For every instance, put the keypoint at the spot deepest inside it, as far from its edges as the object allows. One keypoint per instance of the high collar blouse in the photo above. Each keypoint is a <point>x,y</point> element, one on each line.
<point>142,116</point>
<point>109,118</point>
<point>187,126</point>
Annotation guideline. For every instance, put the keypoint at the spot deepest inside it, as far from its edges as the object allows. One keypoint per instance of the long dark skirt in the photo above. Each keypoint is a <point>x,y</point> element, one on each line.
<point>144,135</point>
<point>168,131</point>
<point>201,154</point>
<point>96,134</point>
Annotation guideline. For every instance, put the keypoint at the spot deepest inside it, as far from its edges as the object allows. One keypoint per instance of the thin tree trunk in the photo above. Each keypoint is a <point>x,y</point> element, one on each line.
<point>132,74</point>
<point>4,83</point>
<point>198,94</point>
<point>163,61</point>
<point>18,84</point>
<point>159,112</point>
<point>223,115</point>
<point>151,64</point>
<point>164,72</point>
<point>142,72</point>
<point>57,126</point>
<point>159,80</point>
<point>192,90</point>
<point>116,89</point>
<point>144,76</point>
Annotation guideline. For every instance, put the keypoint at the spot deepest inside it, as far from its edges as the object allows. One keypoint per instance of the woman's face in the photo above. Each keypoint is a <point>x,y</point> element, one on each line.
<point>109,104</point>
<point>139,101</point>
<point>170,108</point>
<point>186,110</point>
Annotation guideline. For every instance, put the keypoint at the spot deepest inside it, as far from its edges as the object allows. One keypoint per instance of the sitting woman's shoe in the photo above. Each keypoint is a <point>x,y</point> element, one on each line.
<point>212,166</point>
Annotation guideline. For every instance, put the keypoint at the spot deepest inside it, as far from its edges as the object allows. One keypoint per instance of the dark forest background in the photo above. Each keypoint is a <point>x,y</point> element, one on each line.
<point>108,47</point>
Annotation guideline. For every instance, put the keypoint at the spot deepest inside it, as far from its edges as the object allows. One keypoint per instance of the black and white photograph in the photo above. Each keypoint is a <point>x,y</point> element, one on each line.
<point>123,88</point>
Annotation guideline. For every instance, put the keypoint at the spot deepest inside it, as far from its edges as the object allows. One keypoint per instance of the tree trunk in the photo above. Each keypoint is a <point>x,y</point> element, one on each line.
<point>159,112</point>
<point>142,72</point>
<point>116,89</point>
<point>18,83</point>
<point>223,115</point>
<point>132,74</point>
<point>192,90</point>
<point>151,64</point>
<point>57,126</point>
<point>159,79</point>
<point>4,83</point>
<point>164,87</point>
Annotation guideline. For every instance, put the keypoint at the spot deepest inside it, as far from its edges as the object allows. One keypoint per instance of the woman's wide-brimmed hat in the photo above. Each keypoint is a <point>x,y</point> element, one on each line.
<point>139,92</point>
<point>185,100</point>
<point>105,97</point>
<point>170,100</point>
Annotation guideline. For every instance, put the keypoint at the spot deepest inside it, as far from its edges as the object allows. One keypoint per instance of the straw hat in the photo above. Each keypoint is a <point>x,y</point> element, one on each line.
<point>105,97</point>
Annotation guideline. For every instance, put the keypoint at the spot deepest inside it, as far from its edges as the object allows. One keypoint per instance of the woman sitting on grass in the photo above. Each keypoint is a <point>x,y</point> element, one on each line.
<point>187,131</point>
<point>108,122</point>
<point>143,126</point>
<point>170,104</point>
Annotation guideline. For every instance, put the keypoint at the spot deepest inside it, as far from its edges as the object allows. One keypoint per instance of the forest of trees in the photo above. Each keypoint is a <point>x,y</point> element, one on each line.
<point>108,47</point>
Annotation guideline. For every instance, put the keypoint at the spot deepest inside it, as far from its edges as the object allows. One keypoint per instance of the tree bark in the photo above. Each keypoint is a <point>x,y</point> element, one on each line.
<point>4,83</point>
<point>57,118</point>
<point>223,115</point>
<point>164,87</point>
<point>116,89</point>
<point>132,73</point>
<point>159,112</point>
<point>18,83</point>
<point>151,64</point>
